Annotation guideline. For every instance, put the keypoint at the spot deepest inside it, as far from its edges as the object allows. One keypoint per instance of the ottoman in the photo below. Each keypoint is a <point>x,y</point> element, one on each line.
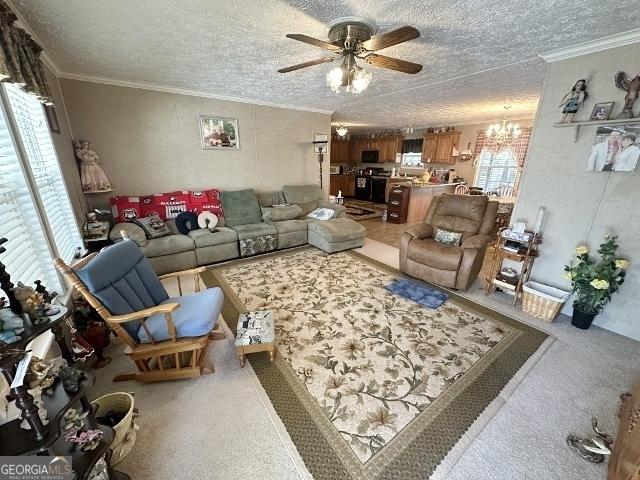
<point>255,238</point>
<point>255,333</point>
<point>336,234</point>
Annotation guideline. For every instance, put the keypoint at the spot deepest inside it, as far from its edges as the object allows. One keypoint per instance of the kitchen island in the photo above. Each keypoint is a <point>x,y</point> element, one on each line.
<point>421,196</point>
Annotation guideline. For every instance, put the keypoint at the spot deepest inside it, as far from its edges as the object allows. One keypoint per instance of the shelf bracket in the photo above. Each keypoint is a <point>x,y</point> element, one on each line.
<point>576,133</point>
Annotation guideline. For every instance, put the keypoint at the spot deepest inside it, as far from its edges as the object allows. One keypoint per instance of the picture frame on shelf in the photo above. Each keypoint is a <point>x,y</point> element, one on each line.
<point>601,111</point>
<point>219,133</point>
<point>52,118</point>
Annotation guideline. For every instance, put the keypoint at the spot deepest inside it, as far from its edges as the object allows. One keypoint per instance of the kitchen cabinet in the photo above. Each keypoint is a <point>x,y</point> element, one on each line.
<point>339,151</point>
<point>344,183</point>
<point>387,148</point>
<point>438,147</point>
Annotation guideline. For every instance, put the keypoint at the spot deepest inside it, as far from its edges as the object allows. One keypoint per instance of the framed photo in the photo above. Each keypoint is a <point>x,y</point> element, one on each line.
<point>601,111</point>
<point>615,148</point>
<point>52,118</point>
<point>219,133</point>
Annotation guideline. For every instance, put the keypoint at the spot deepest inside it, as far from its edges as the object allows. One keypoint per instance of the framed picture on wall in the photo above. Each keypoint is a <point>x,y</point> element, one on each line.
<point>218,132</point>
<point>52,118</point>
<point>601,111</point>
<point>615,148</point>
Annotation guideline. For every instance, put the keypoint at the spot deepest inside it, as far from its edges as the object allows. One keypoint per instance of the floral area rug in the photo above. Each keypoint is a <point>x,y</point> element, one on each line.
<point>369,384</point>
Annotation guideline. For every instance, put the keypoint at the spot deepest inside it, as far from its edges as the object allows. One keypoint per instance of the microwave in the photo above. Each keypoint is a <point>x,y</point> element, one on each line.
<point>335,169</point>
<point>369,156</point>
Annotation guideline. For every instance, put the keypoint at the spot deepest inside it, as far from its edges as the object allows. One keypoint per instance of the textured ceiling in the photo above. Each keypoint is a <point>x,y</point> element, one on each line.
<point>477,55</point>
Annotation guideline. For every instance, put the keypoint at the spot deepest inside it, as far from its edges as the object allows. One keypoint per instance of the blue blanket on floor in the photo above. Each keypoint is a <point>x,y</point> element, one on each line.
<point>422,294</point>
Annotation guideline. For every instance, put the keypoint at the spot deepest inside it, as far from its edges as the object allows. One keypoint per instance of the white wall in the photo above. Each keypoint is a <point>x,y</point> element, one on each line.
<point>149,141</point>
<point>583,206</point>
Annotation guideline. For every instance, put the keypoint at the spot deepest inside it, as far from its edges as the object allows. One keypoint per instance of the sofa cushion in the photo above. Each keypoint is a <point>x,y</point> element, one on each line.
<point>337,229</point>
<point>240,207</point>
<point>306,196</point>
<point>460,213</point>
<point>290,226</point>
<point>266,199</point>
<point>428,252</point>
<point>280,213</point>
<point>168,245</point>
<point>133,231</point>
<point>196,316</point>
<point>204,238</point>
<point>254,230</point>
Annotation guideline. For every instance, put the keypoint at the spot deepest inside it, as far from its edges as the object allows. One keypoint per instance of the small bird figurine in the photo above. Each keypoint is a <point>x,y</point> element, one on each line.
<point>632,87</point>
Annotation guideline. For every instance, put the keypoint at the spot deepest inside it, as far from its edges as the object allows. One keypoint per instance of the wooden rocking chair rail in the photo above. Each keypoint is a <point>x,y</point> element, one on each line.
<point>158,360</point>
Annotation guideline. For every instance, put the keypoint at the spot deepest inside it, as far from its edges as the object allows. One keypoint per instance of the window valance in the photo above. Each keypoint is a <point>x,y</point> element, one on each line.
<point>20,61</point>
<point>517,146</point>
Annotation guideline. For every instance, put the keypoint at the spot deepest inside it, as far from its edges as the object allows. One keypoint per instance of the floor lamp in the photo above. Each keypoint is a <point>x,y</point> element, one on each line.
<point>320,141</point>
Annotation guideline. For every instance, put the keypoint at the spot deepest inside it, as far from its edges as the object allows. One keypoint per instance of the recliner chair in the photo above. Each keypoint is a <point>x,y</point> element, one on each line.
<point>449,266</point>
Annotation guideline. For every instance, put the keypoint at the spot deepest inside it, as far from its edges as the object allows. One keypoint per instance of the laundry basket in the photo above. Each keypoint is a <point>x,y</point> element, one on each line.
<point>543,301</point>
<point>125,429</point>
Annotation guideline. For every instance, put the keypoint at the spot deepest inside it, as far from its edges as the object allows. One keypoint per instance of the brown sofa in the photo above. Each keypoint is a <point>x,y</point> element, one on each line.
<point>449,266</point>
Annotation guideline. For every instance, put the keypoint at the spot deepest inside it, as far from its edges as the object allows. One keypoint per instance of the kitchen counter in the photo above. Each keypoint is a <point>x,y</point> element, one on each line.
<point>421,196</point>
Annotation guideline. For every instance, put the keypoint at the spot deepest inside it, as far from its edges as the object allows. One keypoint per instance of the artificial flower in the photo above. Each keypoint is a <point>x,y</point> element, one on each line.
<point>622,263</point>
<point>599,284</point>
<point>568,276</point>
<point>582,250</point>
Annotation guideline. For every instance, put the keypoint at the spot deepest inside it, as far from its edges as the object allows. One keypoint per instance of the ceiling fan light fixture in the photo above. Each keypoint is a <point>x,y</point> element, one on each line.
<point>334,78</point>
<point>360,79</point>
<point>341,130</point>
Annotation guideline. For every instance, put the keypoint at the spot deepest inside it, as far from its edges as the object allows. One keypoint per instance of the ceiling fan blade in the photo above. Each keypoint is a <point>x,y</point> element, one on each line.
<point>392,63</point>
<point>306,64</point>
<point>403,34</point>
<point>314,41</point>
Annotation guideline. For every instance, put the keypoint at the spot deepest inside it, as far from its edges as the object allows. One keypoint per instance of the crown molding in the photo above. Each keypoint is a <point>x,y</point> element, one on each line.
<point>604,43</point>
<point>183,91</point>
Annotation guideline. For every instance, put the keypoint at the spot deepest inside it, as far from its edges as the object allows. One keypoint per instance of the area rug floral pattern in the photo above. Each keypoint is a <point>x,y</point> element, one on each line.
<point>372,360</point>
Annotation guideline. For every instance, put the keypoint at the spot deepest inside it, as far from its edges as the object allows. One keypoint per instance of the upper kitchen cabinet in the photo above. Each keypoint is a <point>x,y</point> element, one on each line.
<point>340,151</point>
<point>438,147</point>
<point>387,148</point>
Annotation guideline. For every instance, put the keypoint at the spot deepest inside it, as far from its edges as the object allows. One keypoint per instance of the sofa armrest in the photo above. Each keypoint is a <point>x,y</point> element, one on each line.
<point>476,241</point>
<point>420,230</point>
<point>339,210</point>
<point>132,231</point>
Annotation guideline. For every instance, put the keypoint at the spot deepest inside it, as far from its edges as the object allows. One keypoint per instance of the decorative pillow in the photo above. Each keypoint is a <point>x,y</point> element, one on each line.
<point>280,213</point>
<point>321,214</point>
<point>186,221</point>
<point>447,237</point>
<point>153,226</point>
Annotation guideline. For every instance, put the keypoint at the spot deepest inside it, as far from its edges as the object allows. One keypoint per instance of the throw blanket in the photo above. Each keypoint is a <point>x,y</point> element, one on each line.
<point>421,294</point>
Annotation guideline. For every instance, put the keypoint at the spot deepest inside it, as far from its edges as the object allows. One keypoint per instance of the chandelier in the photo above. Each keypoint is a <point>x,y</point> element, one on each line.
<point>349,75</point>
<point>505,133</point>
<point>341,130</point>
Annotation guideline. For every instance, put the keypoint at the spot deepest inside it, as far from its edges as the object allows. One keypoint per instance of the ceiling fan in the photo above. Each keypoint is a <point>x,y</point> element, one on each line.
<point>351,38</point>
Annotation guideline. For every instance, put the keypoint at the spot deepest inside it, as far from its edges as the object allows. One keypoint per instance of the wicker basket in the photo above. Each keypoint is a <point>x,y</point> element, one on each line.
<point>125,430</point>
<point>543,301</point>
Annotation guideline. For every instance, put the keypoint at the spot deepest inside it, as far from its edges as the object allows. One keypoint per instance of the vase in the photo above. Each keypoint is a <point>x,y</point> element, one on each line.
<point>581,319</point>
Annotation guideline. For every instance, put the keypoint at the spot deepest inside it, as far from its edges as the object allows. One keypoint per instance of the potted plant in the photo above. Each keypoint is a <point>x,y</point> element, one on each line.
<point>594,282</point>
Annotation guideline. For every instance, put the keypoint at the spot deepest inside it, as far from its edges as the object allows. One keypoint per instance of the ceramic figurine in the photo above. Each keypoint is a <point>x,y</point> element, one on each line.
<point>71,378</point>
<point>27,298</point>
<point>11,326</point>
<point>92,176</point>
<point>632,87</point>
<point>573,100</point>
<point>38,372</point>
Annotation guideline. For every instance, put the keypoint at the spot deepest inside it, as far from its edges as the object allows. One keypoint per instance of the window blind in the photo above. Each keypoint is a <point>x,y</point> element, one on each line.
<point>36,211</point>
<point>27,257</point>
<point>496,169</point>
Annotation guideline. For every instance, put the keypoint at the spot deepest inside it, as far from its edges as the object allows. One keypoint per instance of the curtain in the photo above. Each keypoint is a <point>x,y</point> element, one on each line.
<point>20,57</point>
<point>518,146</point>
<point>413,145</point>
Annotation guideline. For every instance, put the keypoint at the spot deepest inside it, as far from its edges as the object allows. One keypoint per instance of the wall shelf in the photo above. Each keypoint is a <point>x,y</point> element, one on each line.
<point>588,123</point>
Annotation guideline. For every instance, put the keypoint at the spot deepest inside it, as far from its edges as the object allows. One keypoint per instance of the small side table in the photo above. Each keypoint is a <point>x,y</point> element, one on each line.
<point>255,333</point>
<point>526,255</point>
<point>95,242</point>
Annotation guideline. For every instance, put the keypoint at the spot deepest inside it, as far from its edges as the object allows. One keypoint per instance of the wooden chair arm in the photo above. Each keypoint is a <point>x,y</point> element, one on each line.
<point>191,271</point>
<point>165,308</point>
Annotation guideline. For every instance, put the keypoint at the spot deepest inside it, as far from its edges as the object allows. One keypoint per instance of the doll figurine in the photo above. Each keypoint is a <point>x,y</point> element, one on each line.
<point>92,176</point>
<point>573,100</point>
